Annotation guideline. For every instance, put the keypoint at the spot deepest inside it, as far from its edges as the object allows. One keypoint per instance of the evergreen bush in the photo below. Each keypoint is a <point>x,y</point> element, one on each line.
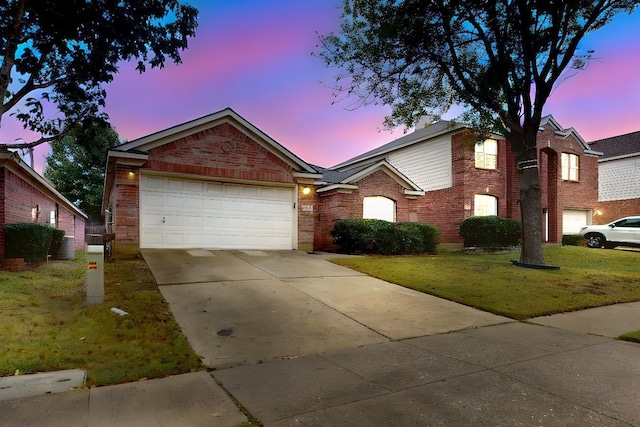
<point>374,236</point>
<point>27,240</point>
<point>490,232</point>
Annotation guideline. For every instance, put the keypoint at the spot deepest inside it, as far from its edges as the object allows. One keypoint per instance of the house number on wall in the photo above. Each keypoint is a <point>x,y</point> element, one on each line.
<point>306,208</point>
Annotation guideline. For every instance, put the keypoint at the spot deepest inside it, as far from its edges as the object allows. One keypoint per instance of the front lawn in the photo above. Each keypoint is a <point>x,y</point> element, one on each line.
<point>586,278</point>
<point>46,326</point>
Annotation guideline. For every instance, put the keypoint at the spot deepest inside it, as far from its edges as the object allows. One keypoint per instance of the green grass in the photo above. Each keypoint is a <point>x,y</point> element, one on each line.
<point>586,278</point>
<point>45,324</point>
<point>631,336</point>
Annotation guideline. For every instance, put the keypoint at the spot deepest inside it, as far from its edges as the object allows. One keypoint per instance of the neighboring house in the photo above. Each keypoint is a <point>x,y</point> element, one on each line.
<point>28,197</point>
<point>619,177</point>
<point>218,182</point>
<point>460,179</point>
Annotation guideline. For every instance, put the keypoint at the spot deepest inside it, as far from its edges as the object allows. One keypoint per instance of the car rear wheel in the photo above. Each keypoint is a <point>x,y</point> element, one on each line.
<point>596,240</point>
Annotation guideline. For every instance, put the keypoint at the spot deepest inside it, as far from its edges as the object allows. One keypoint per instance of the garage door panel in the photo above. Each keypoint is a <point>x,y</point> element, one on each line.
<point>176,239</point>
<point>193,239</point>
<point>153,182</point>
<point>153,239</point>
<point>193,203</point>
<point>214,188</point>
<point>233,205</point>
<point>195,187</point>
<point>194,221</point>
<point>175,185</point>
<point>153,200</point>
<point>573,220</point>
<point>217,205</point>
<point>174,201</point>
<point>179,213</point>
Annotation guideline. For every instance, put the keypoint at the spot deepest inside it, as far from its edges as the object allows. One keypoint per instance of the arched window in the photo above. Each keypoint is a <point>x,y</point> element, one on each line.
<point>378,207</point>
<point>484,205</point>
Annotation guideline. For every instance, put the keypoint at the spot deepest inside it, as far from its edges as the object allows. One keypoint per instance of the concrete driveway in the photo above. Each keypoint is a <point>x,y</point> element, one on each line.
<point>239,307</point>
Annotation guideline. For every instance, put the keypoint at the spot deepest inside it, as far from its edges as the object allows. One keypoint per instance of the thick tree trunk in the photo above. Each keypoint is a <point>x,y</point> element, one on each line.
<point>523,140</point>
<point>531,214</point>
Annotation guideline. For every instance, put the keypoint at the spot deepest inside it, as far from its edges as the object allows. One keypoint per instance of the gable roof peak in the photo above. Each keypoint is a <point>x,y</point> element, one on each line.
<point>227,115</point>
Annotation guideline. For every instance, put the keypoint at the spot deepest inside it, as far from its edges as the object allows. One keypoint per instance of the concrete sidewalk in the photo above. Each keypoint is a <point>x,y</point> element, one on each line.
<point>302,342</point>
<point>504,375</point>
<point>181,400</point>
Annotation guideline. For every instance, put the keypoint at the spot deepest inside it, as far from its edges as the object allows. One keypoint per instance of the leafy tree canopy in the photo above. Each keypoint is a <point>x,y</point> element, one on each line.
<point>76,165</point>
<point>499,58</point>
<point>61,52</point>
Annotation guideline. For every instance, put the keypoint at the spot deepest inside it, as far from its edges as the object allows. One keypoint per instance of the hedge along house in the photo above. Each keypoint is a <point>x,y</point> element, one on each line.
<point>216,182</point>
<point>28,197</point>
<point>445,178</point>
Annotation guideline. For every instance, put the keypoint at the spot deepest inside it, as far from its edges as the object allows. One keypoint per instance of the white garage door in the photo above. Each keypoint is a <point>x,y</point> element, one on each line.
<point>180,213</point>
<point>573,220</point>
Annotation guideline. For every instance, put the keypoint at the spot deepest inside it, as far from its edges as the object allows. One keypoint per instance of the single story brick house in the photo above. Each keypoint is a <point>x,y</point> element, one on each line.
<point>219,182</point>
<point>214,182</point>
<point>618,177</point>
<point>28,197</point>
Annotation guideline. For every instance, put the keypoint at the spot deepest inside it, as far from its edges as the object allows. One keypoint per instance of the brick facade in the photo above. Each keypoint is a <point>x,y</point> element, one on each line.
<point>224,152</point>
<point>347,204</point>
<point>558,194</point>
<point>231,150</point>
<point>606,212</point>
<point>447,208</point>
<point>26,199</point>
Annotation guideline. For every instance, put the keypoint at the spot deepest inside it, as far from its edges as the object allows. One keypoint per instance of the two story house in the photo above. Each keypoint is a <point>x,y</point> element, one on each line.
<point>438,176</point>
<point>619,177</point>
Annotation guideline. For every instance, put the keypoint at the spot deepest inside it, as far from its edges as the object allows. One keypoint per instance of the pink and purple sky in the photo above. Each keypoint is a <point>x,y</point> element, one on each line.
<point>255,57</point>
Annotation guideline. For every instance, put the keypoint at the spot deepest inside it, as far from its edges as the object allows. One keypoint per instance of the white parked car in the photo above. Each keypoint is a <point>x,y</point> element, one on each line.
<point>621,232</point>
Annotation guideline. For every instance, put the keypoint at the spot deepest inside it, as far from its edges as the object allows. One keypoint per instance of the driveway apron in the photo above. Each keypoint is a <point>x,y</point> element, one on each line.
<point>239,307</point>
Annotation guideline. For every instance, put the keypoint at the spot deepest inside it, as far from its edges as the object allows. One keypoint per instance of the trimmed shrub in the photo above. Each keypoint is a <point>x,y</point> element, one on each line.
<point>27,240</point>
<point>573,240</point>
<point>490,232</point>
<point>56,241</point>
<point>374,236</point>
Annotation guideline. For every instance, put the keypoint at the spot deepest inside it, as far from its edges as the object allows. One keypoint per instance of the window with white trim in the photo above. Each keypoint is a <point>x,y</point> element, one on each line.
<point>570,167</point>
<point>487,154</point>
<point>379,207</point>
<point>485,205</point>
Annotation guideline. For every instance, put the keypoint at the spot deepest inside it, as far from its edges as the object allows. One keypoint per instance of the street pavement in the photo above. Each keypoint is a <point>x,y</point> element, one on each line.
<point>297,341</point>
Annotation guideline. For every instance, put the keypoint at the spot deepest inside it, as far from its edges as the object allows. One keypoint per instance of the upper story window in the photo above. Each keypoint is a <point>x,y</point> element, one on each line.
<point>487,154</point>
<point>570,167</point>
<point>485,205</point>
<point>378,207</point>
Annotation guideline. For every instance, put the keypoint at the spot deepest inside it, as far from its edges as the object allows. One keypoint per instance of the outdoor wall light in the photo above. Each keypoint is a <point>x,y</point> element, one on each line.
<point>131,174</point>
<point>306,190</point>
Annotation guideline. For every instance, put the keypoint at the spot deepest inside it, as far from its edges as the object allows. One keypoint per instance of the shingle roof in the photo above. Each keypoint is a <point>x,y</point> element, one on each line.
<point>334,176</point>
<point>418,135</point>
<point>618,146</point>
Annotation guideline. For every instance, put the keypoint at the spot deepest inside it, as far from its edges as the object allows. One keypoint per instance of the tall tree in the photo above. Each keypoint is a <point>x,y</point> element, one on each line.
<point>499,58</point>
<point>56,55</point>
<point>76,165</point>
